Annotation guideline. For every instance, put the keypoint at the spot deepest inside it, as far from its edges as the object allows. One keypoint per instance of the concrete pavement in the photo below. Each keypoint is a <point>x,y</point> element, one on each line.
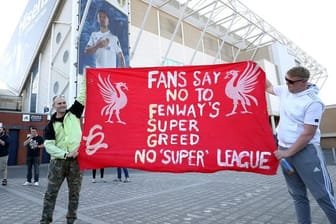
<point>160,198</point>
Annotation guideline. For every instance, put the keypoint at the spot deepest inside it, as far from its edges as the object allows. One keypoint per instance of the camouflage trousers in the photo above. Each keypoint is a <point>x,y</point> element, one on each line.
<point>59,170</point>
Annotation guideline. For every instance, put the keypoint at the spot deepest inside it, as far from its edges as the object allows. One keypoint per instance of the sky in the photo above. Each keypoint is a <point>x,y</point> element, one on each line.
<point>306,23</point>
<point>309,24</point>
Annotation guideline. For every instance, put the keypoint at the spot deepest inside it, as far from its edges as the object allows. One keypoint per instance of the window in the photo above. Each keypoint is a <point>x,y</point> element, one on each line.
<point>65,56</point>
<point>58,37</point>
<point>170,62</point>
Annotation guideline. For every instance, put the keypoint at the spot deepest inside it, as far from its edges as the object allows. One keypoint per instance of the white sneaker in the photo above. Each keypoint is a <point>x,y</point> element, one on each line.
<point>36,183</point>
<point>103,180</point>
<point>26,183</point>
<point>93,180</point>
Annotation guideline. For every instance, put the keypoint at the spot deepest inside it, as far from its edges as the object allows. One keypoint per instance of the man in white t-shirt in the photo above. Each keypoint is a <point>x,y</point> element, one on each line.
<point>105,45</point>
<point>299,143</point>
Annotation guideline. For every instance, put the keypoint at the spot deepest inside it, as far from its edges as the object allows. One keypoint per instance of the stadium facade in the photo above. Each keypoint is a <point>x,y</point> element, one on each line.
<point>46,54</point>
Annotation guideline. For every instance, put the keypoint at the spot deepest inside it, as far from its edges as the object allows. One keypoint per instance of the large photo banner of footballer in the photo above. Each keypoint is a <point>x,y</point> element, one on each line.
<point>104,37</point>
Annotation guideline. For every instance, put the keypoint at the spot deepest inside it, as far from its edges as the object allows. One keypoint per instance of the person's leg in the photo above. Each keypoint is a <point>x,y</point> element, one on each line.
<point>36,164</point>
<point>328,205</point>
<point>29,168</point>
<point>4,182</point>
<point>118,179</point>
<point>74,179</point>
<point>2,166</point>
<point>94,176</point>
<point>126,175</point>
<point>56,176</point>
<point>126,172</point>
<point>3,169</point>
<point>119,173</point>
<point>297,189</point>
<point>5,172</point>
<point>315,174</point>
<point>102,173</point>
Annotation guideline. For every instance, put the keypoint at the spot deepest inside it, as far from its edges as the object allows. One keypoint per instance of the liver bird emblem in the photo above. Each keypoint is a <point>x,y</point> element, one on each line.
<point>114,97</point>
<point>238,89</point>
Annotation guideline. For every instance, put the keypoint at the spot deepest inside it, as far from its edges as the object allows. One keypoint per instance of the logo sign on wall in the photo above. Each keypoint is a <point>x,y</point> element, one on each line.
<point>25,117</point>
<point>178,119</point>
<point>32,118</point>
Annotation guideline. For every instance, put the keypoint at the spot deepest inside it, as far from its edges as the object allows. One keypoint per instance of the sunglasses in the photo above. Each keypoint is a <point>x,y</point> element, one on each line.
<point>292,81</point>
<point>60,96</point>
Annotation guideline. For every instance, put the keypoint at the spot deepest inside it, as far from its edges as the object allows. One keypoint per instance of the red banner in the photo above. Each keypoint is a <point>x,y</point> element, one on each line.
<point>178,119</point>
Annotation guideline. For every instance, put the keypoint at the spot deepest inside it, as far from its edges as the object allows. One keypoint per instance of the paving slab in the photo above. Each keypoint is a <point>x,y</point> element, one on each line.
<point>160,198</point>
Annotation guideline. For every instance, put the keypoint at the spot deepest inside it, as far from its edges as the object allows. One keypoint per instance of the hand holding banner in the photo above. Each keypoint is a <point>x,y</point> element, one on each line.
<point>178,119</point>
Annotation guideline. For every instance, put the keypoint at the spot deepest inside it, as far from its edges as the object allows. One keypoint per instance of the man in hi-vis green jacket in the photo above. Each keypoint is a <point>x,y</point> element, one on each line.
<point>62,139</point>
